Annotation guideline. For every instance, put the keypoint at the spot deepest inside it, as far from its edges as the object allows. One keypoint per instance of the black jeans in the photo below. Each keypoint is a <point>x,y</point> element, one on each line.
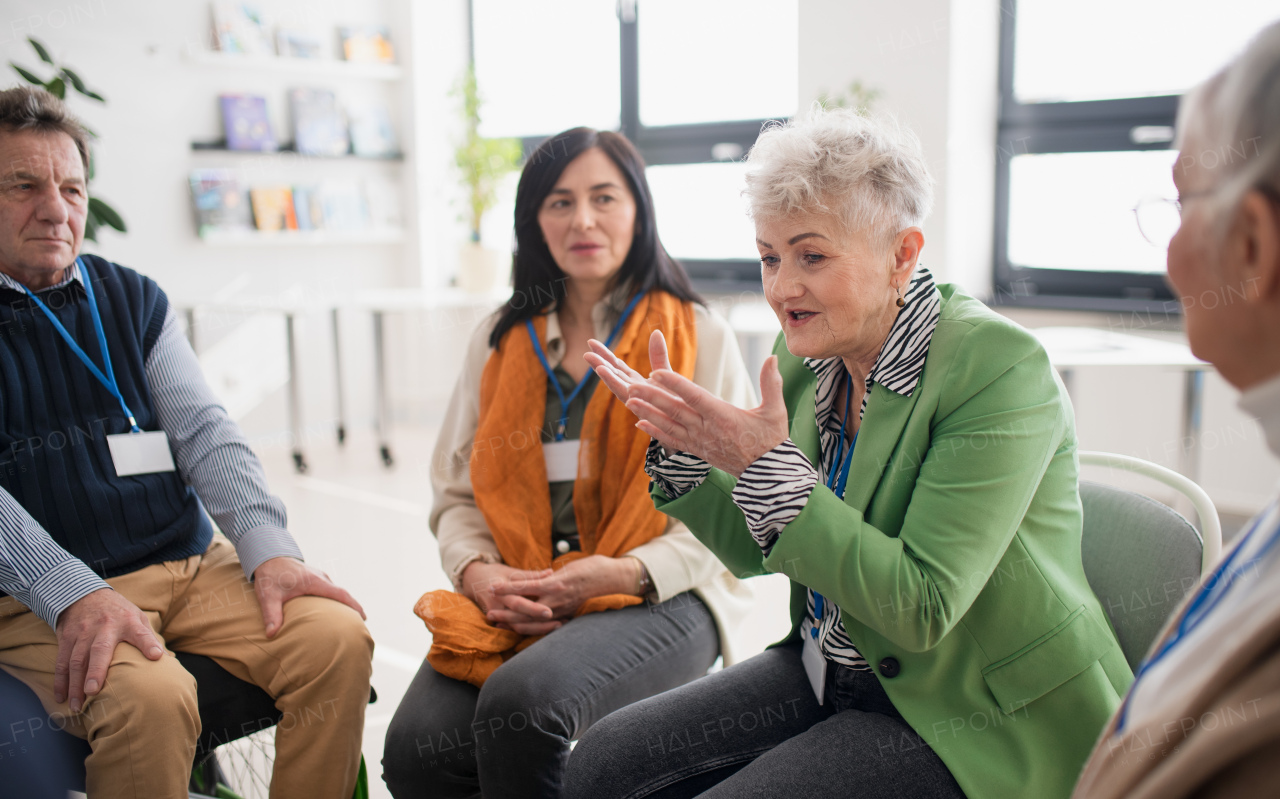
<point>756,730</point>
<point>511,738</point>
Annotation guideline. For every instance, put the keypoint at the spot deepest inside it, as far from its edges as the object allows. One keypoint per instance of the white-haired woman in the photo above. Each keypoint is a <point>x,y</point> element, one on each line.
<point>912,469</point>
<point>1203,717</point>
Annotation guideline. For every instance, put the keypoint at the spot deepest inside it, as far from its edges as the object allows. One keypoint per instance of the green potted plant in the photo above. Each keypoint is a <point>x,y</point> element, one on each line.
<point>482,163</point>
<point>857,96</point>
<point>99,212</point>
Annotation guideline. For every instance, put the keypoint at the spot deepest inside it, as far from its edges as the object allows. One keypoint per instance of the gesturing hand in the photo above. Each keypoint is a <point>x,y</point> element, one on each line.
<point>88,631</point>
<point>278,580</point>
<point>683,416</point>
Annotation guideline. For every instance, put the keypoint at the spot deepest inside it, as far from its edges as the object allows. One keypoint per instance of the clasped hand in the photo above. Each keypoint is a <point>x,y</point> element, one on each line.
<point>685,417</point>
<point>538,602</point>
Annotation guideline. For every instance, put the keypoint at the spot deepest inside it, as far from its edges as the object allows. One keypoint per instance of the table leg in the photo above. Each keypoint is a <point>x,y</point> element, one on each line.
<point>1192,421</point>
<point>337,376</point>
<point>380,388</point>
<point>295,400</point>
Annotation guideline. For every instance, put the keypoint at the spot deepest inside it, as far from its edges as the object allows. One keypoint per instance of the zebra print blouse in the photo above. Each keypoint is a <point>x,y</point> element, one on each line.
<point>773,490</point>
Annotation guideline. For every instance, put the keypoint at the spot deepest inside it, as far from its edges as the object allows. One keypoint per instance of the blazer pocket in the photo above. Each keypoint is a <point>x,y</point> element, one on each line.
<point>1047,662</point>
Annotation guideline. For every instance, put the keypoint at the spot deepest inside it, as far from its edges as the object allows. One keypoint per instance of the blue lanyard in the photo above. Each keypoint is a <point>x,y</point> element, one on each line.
<point>1209,596</point>
<point>106,376</point>
<point>836,481</point>
<point>551,375</point>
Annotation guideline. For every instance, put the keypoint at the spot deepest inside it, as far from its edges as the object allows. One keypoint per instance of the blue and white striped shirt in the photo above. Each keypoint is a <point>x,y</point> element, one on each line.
<point>211,454</point>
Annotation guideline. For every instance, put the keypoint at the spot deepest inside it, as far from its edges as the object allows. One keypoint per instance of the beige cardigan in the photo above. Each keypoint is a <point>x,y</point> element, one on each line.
<point>676,560</point>
<point>1209,726</point>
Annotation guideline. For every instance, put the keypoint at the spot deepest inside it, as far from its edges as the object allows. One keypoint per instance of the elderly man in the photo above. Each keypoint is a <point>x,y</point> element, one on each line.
<point>1203,716</point>
<point>112,447</point>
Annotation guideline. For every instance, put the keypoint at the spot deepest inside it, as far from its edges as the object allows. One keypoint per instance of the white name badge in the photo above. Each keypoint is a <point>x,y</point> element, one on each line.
<point>562,460</point>
<point>140,453</point>
<point>815,664</point>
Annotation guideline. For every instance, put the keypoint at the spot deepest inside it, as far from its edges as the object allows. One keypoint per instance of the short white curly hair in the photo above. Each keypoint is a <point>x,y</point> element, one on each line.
<point>866,169</point>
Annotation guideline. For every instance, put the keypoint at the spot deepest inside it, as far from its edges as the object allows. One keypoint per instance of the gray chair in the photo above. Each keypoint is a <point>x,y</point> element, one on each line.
<point>1141,557</point>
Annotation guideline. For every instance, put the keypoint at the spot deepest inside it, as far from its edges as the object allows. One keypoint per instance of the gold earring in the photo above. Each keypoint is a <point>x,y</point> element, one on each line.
<point>901,302</point>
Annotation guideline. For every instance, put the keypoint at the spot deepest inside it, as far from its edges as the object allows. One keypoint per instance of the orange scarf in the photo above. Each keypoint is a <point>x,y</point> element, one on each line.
<point>509,476</point>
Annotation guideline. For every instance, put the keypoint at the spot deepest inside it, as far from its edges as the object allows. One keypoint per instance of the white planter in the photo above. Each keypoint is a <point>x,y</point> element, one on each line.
<point>482,270</point>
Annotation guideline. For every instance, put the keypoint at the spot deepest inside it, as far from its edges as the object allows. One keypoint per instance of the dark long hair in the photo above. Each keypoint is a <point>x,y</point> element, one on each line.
<point>537,280</point>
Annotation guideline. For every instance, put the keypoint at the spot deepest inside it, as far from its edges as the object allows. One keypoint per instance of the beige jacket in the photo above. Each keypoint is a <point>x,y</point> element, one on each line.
<point>676,560</point>
<point>1205,722</point>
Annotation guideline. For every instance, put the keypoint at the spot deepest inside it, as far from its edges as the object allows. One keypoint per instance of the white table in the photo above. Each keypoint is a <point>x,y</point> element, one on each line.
<point>1069,348</point>
<point>1072,347</point>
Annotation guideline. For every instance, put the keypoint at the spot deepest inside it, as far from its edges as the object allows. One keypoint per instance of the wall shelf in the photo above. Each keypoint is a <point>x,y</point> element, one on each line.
<point>290,238</point>
<point>328,67</point>
<point>286,149</point>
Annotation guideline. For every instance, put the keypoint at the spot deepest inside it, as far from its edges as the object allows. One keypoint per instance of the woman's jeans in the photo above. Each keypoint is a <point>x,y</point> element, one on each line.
<point>756,730</point>
<point>510,739</point>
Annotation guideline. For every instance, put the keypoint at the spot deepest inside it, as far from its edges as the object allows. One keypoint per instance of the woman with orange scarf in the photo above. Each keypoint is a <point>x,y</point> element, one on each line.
<point>573,595</point>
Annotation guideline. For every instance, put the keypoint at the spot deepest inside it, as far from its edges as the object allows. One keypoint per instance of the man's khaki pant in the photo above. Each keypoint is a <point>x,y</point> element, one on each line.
<point>143,725</point>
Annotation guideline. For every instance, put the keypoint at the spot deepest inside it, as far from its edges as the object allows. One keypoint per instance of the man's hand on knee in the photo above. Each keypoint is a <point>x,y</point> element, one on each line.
<point>88,631</point>
<point>278,580</point>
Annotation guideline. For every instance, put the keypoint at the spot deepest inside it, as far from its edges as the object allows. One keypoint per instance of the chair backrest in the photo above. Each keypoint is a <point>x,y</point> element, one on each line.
<point>1141,558</point>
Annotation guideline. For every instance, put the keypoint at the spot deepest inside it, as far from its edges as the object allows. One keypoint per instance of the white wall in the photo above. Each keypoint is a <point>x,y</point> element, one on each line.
<point>933,62</point>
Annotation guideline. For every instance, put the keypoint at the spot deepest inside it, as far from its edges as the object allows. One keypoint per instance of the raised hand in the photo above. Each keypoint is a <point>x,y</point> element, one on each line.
<point>685,417</point>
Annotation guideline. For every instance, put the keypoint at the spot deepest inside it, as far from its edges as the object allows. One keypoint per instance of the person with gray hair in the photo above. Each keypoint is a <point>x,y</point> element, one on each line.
<point>112,450</point>
<point>912,470</point>
<point>1202,716</point>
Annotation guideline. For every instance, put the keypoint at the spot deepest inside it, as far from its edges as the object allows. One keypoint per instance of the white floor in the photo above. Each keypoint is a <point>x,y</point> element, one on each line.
<point>366,525</point>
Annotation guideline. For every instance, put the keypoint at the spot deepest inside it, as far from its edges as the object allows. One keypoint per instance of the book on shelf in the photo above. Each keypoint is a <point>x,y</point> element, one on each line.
<point>240,28</point>
<point>371,133</point>
<point>318,127</point>
<point>273,208</point>
<point>292,43</point>
<point>367,43</point>
<point>245,122</point>
<point>343,205</point>
<point>306,208</point>
<point>221,203</point>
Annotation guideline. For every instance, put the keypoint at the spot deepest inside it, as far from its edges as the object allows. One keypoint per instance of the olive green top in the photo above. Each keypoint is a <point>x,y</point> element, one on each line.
<point>564,526</point>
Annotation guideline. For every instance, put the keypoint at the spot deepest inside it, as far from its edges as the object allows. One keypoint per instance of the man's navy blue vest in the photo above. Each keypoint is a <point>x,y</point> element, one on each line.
<point>55,418</point>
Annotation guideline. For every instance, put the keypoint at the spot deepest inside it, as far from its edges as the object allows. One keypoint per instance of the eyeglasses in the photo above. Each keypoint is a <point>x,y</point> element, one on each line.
<point>1160,217</point>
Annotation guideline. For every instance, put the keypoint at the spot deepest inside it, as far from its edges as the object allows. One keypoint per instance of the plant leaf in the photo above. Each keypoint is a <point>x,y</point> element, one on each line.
<point>107,214</point>
<point>95,96</point>
<point>28,76</point>
<point>40,51</point>
<point>57,87</point>
<point>91,224</point>
<point>75,80</point>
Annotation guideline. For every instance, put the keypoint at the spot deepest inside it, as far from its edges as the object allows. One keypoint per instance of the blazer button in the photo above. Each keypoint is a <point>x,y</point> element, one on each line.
<point>562,546</point>
<point>889,668</point>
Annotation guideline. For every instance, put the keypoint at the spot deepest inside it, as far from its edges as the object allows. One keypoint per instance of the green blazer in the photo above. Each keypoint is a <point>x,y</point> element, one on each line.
<point>956,553</point>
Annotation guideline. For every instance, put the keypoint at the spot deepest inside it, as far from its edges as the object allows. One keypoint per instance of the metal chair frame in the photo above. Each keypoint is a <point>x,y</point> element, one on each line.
<point>1210,526</point>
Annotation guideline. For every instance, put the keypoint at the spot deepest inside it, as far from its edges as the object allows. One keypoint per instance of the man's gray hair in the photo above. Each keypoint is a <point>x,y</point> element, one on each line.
<point>867,170</point>
<point>30,108</point>
<point>1233,120</point>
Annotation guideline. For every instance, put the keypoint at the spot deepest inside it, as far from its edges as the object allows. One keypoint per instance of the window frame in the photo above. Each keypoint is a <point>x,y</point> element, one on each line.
<point>677,144</point>
<point>1068,127</point>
